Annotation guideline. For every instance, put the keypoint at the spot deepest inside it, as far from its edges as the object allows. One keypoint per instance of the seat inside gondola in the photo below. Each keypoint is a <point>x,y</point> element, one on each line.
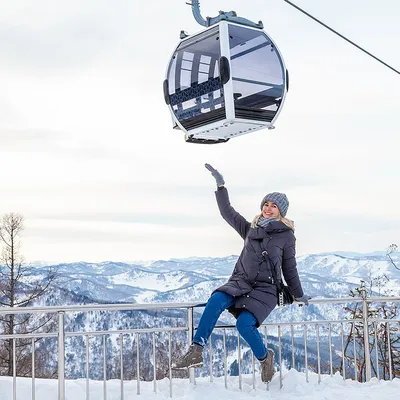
<point>254,106</point>
<point>262,99</point>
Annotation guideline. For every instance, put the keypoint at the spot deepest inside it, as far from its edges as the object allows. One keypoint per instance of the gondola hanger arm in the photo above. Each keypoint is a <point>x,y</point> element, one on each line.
<point>340,35</point>
<point>230,15</point>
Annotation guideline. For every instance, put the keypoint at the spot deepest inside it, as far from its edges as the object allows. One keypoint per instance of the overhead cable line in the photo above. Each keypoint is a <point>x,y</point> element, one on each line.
<point>343,37</point>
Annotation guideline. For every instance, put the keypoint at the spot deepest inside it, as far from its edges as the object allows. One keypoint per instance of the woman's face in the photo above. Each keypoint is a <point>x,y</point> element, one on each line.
<point>270,210</point>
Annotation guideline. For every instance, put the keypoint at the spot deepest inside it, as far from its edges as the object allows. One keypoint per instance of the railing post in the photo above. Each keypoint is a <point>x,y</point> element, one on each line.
<point>366,338</point>
<point>190,337</point>
<point>61,356</point>
<point>14,365</point>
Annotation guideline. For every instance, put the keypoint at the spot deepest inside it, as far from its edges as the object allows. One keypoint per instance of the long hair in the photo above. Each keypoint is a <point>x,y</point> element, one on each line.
<point>288,222</point>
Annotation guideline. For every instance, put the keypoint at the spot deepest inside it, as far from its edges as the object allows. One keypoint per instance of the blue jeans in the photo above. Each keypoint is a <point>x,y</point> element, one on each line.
<point>245,324</point>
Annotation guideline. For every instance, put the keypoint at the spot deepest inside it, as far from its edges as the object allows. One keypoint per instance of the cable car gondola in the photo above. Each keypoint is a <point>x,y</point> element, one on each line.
<point>225,81</point>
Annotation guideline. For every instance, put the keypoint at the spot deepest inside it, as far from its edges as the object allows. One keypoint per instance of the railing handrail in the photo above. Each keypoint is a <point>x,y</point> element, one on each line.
<point>158,306</point>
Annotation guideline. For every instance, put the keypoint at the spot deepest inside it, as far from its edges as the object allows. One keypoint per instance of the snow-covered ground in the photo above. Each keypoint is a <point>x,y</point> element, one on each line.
<point>294,387</point>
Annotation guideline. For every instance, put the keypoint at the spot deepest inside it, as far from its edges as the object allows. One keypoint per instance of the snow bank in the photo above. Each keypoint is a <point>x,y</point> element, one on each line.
<point>294,387</point>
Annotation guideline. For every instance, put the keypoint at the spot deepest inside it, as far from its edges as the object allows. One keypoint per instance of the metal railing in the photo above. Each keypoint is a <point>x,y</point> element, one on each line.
<point>280,341</point>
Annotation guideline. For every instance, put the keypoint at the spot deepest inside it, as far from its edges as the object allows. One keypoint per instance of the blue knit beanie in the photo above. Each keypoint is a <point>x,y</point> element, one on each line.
<point>279,199</point>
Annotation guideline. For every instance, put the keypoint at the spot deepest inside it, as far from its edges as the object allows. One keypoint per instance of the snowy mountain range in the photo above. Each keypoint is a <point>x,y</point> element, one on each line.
<point>326,275</point>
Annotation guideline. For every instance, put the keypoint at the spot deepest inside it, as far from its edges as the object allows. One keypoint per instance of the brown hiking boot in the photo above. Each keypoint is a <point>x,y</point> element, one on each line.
<point>267,366</point>
<point>192,359</point>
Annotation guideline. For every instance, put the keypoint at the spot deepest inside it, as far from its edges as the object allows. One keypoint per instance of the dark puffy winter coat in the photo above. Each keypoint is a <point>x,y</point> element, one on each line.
<point>251,281</point>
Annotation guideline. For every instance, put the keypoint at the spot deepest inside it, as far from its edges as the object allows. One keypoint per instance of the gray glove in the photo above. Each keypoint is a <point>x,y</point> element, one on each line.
<point>218,177</point>
<point>303,299</point>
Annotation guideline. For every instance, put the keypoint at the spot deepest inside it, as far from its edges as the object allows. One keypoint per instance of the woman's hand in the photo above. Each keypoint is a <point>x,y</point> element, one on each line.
<point>218,177</point>
<point>303,299</point>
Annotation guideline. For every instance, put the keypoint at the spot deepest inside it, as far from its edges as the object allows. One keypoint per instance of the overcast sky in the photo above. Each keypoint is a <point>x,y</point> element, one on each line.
<point>90,159</point>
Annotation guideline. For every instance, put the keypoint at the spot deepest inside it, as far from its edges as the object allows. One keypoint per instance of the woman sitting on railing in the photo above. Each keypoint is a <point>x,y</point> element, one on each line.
<point>251,292</point>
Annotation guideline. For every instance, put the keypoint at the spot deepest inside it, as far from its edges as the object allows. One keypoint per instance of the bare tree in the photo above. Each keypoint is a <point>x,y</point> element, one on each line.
<point>392,248</point>
<point>18,290</point>
<point>380,334</point>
